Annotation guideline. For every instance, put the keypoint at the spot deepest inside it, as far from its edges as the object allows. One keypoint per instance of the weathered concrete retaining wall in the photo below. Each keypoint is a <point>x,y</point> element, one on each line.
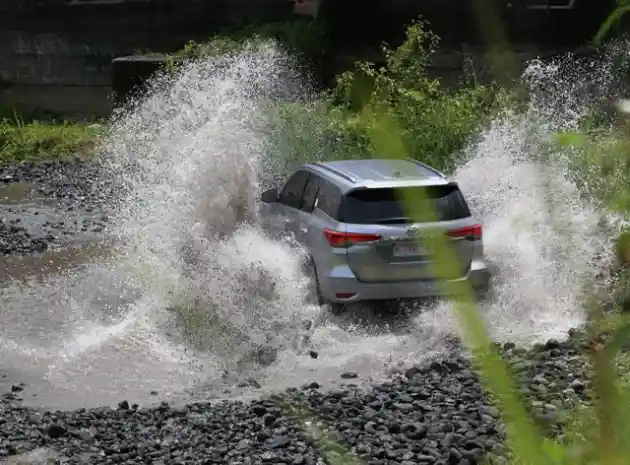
<point>55,55</point>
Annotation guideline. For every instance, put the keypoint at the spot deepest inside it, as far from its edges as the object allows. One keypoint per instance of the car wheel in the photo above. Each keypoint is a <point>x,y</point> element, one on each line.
<point>314,296</point>
<point>483,294</point>
<point>337,309</point>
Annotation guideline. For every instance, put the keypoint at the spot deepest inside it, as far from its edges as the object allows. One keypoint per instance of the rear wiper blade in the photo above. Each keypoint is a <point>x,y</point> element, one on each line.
<point>394,220</point>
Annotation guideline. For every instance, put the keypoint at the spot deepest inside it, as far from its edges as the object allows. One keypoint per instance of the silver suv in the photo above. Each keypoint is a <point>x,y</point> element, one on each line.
<point>360,245</point>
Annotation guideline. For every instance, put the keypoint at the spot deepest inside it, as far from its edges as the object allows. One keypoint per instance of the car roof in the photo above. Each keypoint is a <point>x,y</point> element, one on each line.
<point>378,172</point>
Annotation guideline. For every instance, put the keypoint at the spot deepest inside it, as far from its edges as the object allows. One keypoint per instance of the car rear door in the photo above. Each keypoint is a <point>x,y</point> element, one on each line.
<point>398,253</point>
<point>304,217</point>
<point>286,211</point>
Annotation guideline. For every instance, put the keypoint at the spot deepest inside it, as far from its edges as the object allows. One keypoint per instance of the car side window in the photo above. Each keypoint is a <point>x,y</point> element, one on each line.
<point>310,193</point>
<point>293,190</point>
<point>329,199</point>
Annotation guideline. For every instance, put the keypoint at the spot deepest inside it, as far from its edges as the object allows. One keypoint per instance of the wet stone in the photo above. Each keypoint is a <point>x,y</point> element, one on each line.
<point>434,417</point>
<point>82,189</point>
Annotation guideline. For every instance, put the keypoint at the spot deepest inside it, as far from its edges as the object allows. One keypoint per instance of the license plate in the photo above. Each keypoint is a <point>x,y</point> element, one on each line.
<point>407,250</point>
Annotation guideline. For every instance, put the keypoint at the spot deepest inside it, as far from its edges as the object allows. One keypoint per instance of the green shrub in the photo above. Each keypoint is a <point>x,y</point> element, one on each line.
<point>37,141</point>
<point>435,122</point>
<point>623,7</point>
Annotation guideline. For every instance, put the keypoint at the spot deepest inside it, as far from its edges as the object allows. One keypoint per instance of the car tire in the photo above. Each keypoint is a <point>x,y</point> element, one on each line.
<point>315,296</point>
<point>337,309</point>
<point>483,294</point>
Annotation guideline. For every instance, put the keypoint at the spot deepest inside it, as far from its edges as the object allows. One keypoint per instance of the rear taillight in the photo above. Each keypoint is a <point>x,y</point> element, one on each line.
<point>342,239</point>
<point>474,232</point>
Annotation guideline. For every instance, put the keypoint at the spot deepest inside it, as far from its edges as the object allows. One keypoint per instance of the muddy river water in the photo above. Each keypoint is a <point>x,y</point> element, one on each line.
<point>34,296</point>
<point>86,323</point>
<point>78,330</point>
<point>23,206</point>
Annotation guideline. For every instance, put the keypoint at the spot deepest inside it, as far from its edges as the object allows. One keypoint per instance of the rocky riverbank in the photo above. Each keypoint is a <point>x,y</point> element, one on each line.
<point>436,413</point>
<point>58,203</point>
<point>431,414</point>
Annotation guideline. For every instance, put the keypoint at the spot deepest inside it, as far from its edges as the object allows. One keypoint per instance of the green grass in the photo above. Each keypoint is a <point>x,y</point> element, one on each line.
<point>45,141</point>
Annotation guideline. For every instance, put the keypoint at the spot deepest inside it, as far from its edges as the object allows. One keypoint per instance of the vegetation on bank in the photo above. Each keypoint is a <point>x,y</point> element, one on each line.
<point>45,141</point>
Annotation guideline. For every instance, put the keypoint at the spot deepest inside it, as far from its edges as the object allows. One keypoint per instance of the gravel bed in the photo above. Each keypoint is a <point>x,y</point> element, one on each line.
<point>72,180</point>
<point>432,414</point>
<point>438,414</point>
<point>75,196</point>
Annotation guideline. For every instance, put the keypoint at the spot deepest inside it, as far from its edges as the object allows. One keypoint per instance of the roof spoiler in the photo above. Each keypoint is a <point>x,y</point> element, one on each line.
<point>402,184</point>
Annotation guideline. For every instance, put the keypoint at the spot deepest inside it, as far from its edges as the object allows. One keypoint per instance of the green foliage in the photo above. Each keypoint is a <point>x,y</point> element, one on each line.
<point>623,7</point>
<point>38,141</point>
<point>600,162</point>
<point>435,122</point>
<point>622,247</point>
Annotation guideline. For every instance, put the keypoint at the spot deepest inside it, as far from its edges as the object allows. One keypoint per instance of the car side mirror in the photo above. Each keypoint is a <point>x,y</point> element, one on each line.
<point>270,195</point>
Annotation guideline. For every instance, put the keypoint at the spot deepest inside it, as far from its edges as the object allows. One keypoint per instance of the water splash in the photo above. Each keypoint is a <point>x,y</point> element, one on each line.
<point>548,239</point>
<point>190,154</point>
<point>194,289</point>
<point>538,232</point>
<point>205,291</point>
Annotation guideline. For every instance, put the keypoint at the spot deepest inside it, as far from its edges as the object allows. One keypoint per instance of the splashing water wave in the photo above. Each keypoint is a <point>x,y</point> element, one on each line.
<point>195,292</point>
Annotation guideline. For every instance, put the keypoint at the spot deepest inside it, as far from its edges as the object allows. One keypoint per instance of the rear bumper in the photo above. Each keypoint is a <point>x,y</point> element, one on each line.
<point>341,280</point>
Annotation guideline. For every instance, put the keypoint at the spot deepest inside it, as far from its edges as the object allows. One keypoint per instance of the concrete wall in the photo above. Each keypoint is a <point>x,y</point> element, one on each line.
<point>55,55</point>
<point>557,22</point>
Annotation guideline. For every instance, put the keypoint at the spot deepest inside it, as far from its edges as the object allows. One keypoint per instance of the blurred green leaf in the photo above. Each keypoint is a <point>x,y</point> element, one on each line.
<point>612,19</point>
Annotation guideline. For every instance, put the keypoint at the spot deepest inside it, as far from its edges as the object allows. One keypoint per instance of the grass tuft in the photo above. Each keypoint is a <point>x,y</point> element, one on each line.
<point>46,141</point>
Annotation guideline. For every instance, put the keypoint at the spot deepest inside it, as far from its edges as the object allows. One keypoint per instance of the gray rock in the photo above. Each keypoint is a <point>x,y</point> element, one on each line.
<point>436,414</point>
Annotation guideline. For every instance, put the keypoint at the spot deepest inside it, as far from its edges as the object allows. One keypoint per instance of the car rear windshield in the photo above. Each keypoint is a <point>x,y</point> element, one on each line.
<point>386,206</point>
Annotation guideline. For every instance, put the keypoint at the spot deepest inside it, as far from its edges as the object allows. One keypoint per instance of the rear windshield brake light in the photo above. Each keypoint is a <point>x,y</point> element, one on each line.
<point>474,232</point>
<point>344,239</point>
